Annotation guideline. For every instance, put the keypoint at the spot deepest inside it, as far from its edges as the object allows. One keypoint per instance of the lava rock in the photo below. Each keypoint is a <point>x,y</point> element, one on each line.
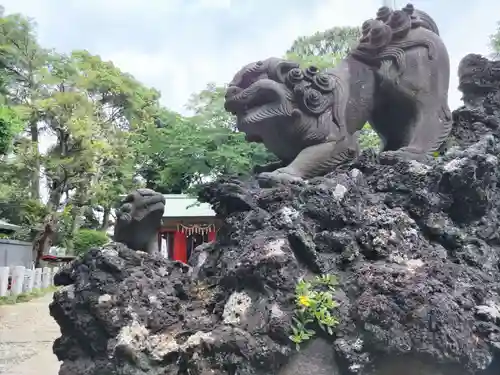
<point>415,248</point>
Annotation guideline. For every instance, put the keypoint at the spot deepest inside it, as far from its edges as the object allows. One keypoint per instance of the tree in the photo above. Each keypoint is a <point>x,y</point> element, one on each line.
<point>181,152</point>
<point>321,62</point>
<point>10,126</point>
<point>93,108</point>
<point>23,63</point>
<point>336,41</point>
<point>323,49</point>
<point>86,239</point>
<point>185,151</point>
<point>495,42</point>
<point>227,150</point>
<point>208,106</point>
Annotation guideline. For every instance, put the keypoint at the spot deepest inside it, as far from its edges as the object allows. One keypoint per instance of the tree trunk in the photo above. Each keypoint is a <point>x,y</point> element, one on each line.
<point>78,210</point>
<point>77,213</point>
<point>60,180</point>
<point>105,219</point>
<point>54,199</point>
<point>35,177</point>
<point>43,240</point>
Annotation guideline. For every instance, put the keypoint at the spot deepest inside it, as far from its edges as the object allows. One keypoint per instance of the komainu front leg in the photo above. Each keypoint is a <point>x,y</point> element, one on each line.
<point>270,167</point>
<point>316,160</point>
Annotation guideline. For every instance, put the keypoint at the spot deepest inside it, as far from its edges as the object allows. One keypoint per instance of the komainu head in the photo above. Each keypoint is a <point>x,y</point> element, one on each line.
<point>278,93</point>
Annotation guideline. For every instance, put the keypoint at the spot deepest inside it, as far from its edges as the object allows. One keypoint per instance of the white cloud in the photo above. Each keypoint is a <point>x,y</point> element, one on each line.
<point>122,7</point>
<point>218,4</point>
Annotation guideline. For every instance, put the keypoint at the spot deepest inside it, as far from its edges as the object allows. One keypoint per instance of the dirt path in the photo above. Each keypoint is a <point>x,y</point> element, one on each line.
<point>27,332</point>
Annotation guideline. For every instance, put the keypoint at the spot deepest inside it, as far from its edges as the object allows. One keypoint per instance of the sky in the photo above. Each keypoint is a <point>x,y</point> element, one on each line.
<point>178,46</point>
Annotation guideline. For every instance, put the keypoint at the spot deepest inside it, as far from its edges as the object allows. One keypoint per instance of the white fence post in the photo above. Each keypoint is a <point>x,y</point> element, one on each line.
<point>38,279</point>
<point>31,284</point>
<point>4,281</point>
<point>28,281</point>
<point>17,280</point>
<point>55,270</point>
<point>46,275</point>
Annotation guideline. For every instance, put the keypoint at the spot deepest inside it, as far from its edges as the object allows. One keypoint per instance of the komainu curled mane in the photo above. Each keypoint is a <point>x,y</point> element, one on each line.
<point>396,79</point>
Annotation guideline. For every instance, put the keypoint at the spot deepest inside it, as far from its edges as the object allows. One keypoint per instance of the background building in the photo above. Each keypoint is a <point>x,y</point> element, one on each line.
<point>186,224</point>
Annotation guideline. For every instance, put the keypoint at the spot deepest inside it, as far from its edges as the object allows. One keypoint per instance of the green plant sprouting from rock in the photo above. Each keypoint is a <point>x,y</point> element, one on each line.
<point>314,305</point>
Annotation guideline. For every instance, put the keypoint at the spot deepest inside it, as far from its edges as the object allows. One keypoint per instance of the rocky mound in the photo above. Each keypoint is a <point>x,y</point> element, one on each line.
<point>415,248</point>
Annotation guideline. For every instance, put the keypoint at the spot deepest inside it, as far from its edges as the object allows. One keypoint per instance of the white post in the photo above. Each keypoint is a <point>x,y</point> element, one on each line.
<point>38,278</point>
<point>4,281</point>
<point>164,245</point>
<point>31,283</point>
<point>28,276</point>
<point>55,270</point>
<point>17,280</point>
<point>46,275</point>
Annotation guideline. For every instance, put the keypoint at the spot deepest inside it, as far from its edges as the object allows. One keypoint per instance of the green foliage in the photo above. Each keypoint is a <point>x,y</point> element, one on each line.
<point>8,300</point>
<point>208,106</point>
<point>321,62</point>
<point>336,41</point>
<point>368,138</point>
<point>495,42</point>
<point>85,239</point>
<point>16,204</point>
<point>314,308</point>
<point>10,125</point>
<point>181,152</point>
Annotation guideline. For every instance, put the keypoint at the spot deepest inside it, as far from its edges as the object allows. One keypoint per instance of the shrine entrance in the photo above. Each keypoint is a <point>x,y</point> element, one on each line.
<point>186,225</point>
<point>194,240</point>
<point>180,244</point>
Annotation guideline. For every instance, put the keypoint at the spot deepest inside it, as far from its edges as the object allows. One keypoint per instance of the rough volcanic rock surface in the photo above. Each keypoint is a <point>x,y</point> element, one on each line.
<point>416,249</point>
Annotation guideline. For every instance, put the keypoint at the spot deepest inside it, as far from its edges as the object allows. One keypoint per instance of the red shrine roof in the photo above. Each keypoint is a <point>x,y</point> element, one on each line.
<point>181,205</point>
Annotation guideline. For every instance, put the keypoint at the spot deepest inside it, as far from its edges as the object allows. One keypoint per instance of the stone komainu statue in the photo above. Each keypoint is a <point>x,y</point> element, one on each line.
<point>139,219</point>
<point>396,79</point>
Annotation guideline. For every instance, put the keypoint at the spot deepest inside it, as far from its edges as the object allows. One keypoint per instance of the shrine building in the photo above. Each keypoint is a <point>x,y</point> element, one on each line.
<point>186,224</point>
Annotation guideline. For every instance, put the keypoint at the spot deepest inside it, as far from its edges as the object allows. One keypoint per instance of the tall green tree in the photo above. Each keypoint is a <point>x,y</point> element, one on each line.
<point>184,151</point>
<point>336,41</point>
<point>23,64</point>
<point>495,42</point>
<point>10,126</point>
<point>93,109</point>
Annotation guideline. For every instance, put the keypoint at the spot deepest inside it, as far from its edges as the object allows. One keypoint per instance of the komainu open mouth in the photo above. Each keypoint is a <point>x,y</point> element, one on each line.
<point>263,92</point>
